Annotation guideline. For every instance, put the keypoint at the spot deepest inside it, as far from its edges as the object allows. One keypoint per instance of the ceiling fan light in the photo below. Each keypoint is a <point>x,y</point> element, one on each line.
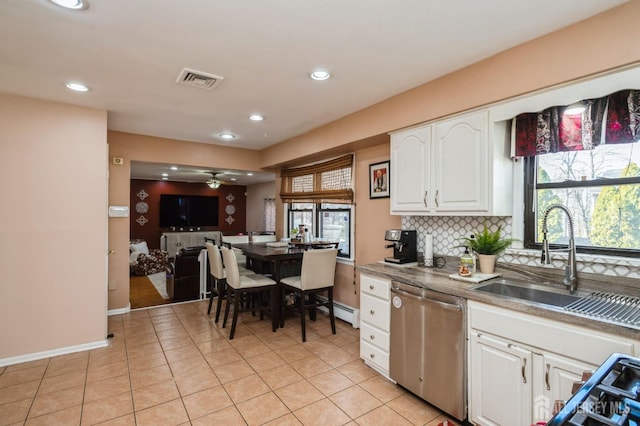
<point>213,183</point>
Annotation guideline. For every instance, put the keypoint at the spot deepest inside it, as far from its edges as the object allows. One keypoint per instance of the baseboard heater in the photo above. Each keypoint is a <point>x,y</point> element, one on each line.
<point>342,311</point>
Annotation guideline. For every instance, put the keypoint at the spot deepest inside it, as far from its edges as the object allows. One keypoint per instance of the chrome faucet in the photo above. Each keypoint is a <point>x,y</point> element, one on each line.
<point>570,279</point>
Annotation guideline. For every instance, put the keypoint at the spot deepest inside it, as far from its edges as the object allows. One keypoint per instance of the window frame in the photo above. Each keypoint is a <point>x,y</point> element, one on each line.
<point>530,215</point>
<point>316,212</point>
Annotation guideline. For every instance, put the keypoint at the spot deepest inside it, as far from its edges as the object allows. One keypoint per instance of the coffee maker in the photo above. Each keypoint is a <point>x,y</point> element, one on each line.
<point>404,245</point>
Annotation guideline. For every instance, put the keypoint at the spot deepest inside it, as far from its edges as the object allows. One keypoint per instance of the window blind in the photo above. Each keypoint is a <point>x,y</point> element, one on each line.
<point>327,182</point>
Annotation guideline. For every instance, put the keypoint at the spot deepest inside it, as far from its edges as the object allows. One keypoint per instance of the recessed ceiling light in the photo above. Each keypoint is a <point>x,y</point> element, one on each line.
<point>174,167</point>
<point>165,174</point>
<point>256,117</point>
<point>165,178</point>
<point>227,136</point>
<point>72,4</point>
<point>249,174</point>
<point>320,75</point>
<point>233,179</point>
<point>77,87</point>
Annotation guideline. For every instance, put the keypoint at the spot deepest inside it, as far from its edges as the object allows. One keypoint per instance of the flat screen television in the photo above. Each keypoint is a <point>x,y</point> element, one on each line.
<point>188,210</point>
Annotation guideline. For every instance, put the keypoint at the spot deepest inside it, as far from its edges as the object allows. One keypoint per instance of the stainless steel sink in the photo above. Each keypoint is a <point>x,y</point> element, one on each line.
<point>523,290</point>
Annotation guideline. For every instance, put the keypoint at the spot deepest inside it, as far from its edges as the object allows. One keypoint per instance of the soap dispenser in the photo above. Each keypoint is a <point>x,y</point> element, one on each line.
<point>466,268</point>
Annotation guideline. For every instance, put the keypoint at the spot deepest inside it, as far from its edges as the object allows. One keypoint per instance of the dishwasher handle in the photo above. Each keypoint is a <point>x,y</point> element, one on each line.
<point>445,305</point>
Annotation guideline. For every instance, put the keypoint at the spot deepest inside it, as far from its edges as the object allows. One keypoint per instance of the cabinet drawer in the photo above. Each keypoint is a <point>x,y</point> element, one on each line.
<point>374,355</point>
<point>375,286</point>
<point>374,336</point>
<point>375,311</point>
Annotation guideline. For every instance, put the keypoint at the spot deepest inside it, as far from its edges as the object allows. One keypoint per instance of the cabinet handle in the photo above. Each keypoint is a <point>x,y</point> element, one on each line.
<point>371,287</point>
<point>372,356</point>
<point>546,376</point>
<point>372,337</point>
<point>372,312</point>
<point>425,199</point>
<point>524,365</point>
<point>437,203</point>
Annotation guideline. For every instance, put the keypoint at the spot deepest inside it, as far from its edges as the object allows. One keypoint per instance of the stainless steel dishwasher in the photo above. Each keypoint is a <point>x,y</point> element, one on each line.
<point>428,346</point>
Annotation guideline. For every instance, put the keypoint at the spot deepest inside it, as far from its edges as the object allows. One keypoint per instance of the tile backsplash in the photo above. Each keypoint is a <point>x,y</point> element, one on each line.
<point>447,232</point>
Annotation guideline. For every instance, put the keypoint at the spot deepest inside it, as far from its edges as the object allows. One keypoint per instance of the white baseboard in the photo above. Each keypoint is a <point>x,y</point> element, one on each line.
<point>54,352</point>
<point>120,311</point>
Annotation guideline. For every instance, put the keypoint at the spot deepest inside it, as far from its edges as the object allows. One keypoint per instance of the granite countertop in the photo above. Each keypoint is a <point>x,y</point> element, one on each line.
<point>437,279</point>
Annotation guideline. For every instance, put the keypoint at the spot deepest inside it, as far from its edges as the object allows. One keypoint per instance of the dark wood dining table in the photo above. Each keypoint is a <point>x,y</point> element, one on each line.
<point>280,262</point>
<point>277,257</point>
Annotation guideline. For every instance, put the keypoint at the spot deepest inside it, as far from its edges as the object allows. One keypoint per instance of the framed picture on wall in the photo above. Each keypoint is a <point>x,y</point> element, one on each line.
<point>379,180</point>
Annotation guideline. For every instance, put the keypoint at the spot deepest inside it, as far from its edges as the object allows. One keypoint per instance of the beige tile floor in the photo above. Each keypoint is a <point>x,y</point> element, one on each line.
<point>171,365</point>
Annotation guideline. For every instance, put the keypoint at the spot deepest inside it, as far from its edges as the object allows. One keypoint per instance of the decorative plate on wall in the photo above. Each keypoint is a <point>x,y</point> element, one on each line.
<point>142,194</point>
<point>230,209</point>
<point>142,207</point>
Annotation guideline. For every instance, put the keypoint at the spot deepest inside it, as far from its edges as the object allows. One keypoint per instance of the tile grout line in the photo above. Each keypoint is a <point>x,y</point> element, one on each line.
<point>33,400</point>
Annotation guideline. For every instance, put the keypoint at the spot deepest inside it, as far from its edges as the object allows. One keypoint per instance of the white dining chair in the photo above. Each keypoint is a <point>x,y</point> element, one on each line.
<point>244,286</point>
<point>216,270</point>
<point>317,275</point>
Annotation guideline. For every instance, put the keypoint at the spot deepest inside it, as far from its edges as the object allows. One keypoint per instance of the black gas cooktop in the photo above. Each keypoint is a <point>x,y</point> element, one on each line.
<point>610,397</point>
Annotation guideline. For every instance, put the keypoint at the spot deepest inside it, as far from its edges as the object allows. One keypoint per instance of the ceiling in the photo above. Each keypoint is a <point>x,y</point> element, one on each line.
<point>130,54</point>
<point>191,174</point>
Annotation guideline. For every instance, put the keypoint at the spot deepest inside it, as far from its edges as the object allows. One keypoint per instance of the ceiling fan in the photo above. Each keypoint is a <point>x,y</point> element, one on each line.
<point>213,182</point>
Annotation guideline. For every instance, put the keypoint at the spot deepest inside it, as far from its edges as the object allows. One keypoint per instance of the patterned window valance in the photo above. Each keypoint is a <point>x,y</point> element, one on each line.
<point>328,182</point>
<point>608,120</point>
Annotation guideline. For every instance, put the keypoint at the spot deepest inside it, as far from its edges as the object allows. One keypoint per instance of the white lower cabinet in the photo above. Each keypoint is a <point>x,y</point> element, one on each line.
<point>560,374</point>
<point>375,314</point>
<point>501,374</point>
<point>519,364</point>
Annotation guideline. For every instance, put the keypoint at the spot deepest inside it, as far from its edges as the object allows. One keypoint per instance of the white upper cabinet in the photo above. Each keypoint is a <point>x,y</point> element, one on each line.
<point>460,151</point>
<point>410,167</point>
<point>458,166</point>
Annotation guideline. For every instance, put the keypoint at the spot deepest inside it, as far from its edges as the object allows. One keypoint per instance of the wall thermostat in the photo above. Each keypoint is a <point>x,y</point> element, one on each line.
<point>118,161</point>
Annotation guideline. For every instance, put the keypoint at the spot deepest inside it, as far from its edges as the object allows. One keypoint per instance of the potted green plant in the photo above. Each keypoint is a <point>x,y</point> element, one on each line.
<point>488,245</point>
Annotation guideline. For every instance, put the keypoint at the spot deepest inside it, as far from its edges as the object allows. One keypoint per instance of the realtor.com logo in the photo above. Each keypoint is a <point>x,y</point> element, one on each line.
<point>543,408</point>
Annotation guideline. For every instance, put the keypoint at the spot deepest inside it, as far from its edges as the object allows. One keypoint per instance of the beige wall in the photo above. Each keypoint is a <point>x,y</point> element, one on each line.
<point>53,226</point>
<point>586,48</point>
<point>133,147</point>
<point>255,203</point>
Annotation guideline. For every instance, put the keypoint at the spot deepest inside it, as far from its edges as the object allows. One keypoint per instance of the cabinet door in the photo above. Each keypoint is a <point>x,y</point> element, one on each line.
<point>410,170</point>
<point>500,382</point>
<point>461,174</point>
<point>560,374</point>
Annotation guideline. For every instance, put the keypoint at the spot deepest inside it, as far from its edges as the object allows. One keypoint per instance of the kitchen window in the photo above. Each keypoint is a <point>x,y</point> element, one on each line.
<point>326,221</point>
<point>320,196</point>
<point>596,175</point>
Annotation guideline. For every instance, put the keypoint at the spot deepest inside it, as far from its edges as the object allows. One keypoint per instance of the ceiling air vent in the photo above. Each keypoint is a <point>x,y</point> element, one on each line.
<point>200,79</point>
